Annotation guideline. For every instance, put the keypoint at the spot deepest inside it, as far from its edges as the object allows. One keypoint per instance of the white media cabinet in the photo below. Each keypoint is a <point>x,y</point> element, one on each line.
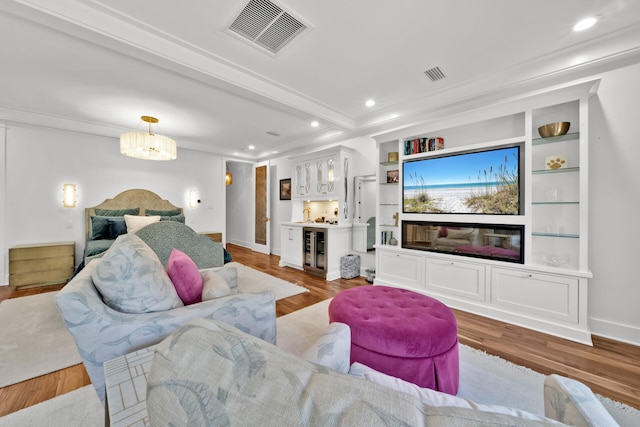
<point>548,291</point>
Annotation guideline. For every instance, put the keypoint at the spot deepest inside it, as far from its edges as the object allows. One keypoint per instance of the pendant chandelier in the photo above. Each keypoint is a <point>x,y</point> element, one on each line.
<point>147,146</point>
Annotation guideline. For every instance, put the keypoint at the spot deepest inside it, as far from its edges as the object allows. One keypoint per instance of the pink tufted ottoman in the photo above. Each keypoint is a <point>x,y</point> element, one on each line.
<point>401,333</point>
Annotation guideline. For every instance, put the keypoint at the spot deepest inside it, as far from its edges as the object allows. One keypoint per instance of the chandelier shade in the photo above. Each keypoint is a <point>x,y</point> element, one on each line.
<point>148,146</point>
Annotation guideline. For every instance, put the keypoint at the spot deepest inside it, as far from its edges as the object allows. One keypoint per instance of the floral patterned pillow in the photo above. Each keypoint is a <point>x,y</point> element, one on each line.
<point>131,278</point>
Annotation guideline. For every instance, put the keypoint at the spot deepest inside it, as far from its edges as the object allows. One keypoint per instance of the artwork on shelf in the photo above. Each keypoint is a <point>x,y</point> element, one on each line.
<point>393,176</point>
<point>486,181</point>
<point>555,162</point>
<point>285,189</point>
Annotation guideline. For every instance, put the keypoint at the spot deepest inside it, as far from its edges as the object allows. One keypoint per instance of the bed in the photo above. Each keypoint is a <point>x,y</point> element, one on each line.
<point>106,221</point>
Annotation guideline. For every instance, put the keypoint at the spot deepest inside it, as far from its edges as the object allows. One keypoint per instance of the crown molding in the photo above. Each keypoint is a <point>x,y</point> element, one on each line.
<point>78,18</point>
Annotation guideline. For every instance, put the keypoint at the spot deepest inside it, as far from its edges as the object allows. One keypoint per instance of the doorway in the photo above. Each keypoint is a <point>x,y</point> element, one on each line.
<point>262,208</point>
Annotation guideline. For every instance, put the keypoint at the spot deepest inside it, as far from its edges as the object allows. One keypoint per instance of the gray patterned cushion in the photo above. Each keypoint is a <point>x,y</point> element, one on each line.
<point>131,278</point>
<point>163,236</point>
<point>332,349</point>
<point>214,286</point>
<point>573,403</point>
<point>209,373</point>
<point>230,275</point>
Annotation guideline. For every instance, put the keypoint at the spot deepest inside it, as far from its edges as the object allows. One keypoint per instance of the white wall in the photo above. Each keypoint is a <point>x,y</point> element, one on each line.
<point>240,207</point>
<point>281,168</point>
<point>40,160</point>
<point>614,204</point>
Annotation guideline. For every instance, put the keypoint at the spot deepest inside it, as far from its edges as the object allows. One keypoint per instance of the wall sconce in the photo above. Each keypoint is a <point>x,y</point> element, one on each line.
<point>228,178</point>
<point>69,198</point>
<point>192,196</point>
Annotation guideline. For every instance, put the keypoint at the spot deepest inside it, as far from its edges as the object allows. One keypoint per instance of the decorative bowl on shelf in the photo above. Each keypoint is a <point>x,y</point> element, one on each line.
<point>554,129</point>
<point>555,260</point>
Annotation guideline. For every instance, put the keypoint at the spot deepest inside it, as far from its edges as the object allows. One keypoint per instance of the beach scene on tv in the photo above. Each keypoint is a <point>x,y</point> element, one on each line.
<point>483,182</point>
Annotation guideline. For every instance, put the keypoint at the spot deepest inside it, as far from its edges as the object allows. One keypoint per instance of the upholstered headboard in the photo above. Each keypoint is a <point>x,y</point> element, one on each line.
<point>143,199</point>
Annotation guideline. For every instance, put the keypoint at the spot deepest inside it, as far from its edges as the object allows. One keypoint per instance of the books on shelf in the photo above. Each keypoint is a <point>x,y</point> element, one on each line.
<point>422,145</point>
<point>387,237</point>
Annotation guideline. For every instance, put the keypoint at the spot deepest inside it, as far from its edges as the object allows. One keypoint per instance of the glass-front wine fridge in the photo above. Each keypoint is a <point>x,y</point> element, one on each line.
<point>315,252</point>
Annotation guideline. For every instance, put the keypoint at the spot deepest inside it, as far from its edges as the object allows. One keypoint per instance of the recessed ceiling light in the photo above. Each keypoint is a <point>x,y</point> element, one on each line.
<point>585,23</point>
<point>251,147</point>
<point>315,124</point>
<point>370,103</point>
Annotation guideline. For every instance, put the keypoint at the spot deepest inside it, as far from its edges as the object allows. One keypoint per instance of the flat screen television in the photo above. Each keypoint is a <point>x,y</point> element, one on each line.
<point>477,182</point>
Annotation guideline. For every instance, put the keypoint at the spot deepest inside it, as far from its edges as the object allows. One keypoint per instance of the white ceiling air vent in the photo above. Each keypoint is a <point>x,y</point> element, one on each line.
<point>435,74</point>
<point>265,24</point>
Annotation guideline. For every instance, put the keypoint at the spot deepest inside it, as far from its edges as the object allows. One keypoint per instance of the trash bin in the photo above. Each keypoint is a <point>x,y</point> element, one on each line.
<point>371,274</point>
<point>350,266</point>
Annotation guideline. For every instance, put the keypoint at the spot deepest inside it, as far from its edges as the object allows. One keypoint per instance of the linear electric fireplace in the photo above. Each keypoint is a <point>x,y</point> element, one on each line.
<point>500,242</point>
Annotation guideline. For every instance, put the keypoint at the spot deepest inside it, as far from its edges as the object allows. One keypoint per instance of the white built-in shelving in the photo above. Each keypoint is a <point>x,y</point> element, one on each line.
<point>547,291</point>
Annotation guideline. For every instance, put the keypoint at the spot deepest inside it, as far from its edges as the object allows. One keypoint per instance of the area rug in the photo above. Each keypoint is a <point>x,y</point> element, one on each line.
<point>34,340</point>
<point>483,378</point>
<point>251,280</point>
<point>81,407</point>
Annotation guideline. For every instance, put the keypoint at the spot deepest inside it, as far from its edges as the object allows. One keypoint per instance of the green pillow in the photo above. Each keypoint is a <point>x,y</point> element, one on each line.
<point>99,227</point>
<point>171,212</point>
<point>177,218</point>
<point>117,226</point>
<point>117,212</point>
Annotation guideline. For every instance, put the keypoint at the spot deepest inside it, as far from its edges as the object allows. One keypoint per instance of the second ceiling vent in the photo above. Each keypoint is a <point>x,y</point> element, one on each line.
<point>266,25</point>
<point>434,74</point>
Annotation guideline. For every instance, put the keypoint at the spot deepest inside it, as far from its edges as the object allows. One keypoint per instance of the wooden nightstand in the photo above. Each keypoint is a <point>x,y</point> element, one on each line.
<point>213,235</point>
<point>41,264</point>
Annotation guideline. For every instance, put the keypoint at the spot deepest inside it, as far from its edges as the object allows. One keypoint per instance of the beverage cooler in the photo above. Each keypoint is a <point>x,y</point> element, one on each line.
<point>314,251</point>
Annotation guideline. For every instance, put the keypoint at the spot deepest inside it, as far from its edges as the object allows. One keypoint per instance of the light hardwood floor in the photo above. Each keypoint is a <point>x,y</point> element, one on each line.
<point>609,367</point>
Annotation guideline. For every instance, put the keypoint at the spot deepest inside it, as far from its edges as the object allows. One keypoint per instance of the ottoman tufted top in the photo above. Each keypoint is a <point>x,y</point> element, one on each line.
<point>396,322</point>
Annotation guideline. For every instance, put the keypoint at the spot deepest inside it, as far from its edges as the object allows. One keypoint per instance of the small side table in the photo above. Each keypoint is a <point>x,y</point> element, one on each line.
<point>126,384</point>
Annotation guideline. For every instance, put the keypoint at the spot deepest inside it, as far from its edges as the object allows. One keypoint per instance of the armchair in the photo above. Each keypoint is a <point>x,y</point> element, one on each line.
<point>102,333</point>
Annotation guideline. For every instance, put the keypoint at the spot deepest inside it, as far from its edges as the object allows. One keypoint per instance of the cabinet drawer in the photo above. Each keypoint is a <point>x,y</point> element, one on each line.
<point>544,295</point>
<point>52,250</point>
<point>44,264</point>
<point>398,268</point>
<point>41,264</point>
<point>49,277</point>
<point>462,279</point>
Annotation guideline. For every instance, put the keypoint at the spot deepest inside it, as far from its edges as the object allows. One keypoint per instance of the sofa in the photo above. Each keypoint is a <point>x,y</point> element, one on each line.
<point>210,373</point>
<point>126,300</point>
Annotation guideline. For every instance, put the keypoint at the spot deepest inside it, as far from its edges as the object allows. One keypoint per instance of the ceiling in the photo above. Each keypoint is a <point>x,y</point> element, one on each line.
<point>96,66</point>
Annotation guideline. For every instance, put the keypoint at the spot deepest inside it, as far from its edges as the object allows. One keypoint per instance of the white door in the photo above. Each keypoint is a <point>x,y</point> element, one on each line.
<point>262,208</point>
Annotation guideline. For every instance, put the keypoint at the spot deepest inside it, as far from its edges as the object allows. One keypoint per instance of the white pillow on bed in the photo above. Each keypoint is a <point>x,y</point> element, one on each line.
<point>136,222</point>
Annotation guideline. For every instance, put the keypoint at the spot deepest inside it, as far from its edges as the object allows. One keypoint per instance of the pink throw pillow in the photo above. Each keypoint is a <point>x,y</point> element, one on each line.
<point>185,277</point>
